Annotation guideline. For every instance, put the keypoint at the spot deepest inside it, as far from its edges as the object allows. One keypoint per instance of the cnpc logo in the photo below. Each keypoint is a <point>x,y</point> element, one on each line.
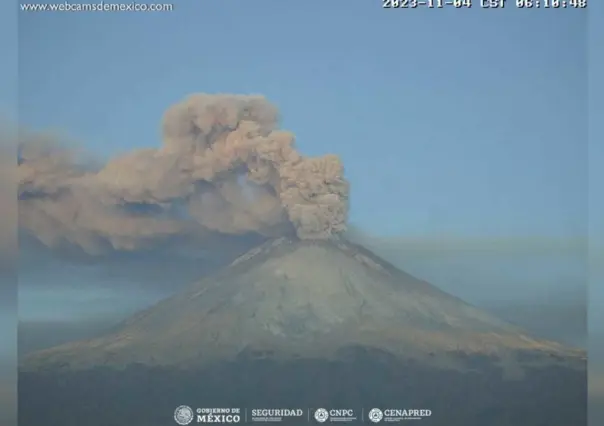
<point>346,414</point>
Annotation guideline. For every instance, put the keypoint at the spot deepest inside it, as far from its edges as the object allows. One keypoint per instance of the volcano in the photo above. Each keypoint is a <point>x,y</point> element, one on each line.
<point>309,324</point>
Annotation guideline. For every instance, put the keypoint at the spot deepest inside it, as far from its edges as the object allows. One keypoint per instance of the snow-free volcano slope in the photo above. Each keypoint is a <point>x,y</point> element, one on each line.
<point>291,298</point>
<point>308,324</point>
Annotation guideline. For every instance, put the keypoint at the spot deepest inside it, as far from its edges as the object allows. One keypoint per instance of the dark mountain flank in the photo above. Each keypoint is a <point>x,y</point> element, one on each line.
<point>307,324</point>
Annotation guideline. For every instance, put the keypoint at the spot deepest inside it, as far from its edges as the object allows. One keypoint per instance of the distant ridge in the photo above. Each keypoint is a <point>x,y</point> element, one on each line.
<point>301,324</point>
<point>293,298</point>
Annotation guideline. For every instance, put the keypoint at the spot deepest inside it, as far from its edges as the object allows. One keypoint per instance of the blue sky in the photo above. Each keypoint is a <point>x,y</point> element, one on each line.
<point>9,48</point>
<point>464,122</point>
<point>596,207</point>
<point>451,123</point>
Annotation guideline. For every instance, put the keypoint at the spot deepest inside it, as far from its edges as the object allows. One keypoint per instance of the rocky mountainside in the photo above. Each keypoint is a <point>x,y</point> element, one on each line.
<point>309,323</point>
<point>300,299</point>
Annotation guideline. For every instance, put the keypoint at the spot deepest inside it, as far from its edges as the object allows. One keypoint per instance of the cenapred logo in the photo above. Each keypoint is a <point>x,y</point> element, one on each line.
<point>321,415</point>
<point>390,415</point>
<point>183,415</point>
<point>375,415</point>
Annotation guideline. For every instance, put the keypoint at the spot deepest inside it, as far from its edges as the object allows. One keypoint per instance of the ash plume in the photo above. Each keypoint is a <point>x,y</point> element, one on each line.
<point>223,168</point>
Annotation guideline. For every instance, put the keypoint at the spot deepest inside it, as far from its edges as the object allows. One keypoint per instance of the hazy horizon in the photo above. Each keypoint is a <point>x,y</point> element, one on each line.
<point>539,285</point>
<point>462,134</point>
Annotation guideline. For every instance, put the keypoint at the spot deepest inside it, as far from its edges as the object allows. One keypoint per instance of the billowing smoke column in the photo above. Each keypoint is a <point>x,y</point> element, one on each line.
<point>224,168</point>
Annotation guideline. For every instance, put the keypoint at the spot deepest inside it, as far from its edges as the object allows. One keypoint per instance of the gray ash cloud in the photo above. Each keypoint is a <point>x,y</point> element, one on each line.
<point>224,169</point>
